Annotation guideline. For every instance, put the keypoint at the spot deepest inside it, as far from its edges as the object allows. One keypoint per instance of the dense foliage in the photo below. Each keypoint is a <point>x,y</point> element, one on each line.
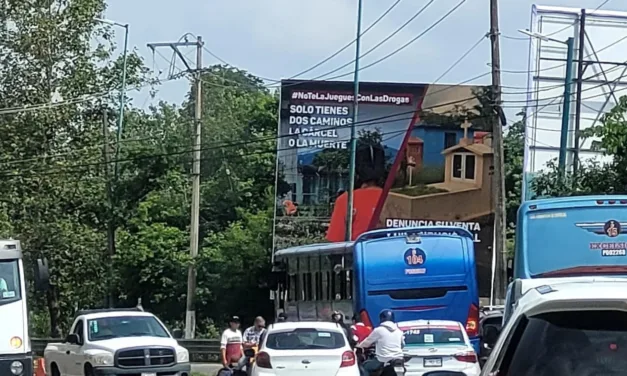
<point>57,163</point>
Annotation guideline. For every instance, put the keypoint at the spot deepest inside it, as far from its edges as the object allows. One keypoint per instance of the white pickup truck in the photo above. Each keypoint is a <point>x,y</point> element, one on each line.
<point>117,342</point>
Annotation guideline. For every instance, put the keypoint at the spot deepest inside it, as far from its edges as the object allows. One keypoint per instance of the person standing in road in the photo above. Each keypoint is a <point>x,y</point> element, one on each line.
<point>253,334</point>
<point>231,349</point>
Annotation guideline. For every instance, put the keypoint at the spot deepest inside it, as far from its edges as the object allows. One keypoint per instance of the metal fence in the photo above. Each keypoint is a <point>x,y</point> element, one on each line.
<point>200,350</point>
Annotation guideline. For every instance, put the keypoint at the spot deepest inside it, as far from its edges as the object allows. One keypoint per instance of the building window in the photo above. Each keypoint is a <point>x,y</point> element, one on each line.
<point>450,139</point>
<point>464,166</point>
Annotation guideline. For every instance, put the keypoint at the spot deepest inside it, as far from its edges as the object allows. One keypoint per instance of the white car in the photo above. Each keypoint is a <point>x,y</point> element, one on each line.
<point>305,349</point>
<point>438,345</point>
<point>565,328</point>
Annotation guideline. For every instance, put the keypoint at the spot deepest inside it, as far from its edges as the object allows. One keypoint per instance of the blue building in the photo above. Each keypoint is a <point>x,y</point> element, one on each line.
<point>437,138</point>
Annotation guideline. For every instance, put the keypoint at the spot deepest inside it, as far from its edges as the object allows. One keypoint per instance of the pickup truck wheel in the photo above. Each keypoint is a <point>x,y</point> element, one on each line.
<point>55,370</point>
<point>89,371</point>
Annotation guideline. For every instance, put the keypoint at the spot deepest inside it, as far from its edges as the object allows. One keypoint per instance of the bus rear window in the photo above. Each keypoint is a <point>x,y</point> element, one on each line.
<point>569,343</point>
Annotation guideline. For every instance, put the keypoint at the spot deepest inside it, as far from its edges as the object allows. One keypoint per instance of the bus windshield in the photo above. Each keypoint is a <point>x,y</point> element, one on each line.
<point>576,240</point>
<point>10,290</point>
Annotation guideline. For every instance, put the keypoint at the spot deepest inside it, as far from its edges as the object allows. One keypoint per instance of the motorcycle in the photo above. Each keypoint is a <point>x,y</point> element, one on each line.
<point>245,371</point>
<point>395,367</point>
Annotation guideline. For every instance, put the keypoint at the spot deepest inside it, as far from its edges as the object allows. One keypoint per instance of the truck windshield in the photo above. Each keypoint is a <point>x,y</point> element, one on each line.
<point>125,326</point>
<point>10,290</point>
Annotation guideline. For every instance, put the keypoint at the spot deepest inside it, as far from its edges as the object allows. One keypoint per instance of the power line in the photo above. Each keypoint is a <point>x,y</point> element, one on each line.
<point>440,20</point>
<point>383,41</point>
<point>213,146</point>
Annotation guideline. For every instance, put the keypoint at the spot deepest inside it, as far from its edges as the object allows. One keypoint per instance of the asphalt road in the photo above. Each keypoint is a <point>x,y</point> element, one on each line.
<point>208,369</point>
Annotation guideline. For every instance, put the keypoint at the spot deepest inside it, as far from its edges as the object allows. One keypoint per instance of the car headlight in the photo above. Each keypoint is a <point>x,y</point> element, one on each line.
<point>182,355</point>
<point>17,368</point>
<point>102,359</point>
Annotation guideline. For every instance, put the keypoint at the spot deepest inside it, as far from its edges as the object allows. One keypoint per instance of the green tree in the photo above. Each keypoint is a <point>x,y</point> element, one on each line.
<point>54,203</point>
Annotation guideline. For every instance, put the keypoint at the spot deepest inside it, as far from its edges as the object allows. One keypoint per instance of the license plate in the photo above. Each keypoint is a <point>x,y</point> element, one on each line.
<point>149,374</point>
<point>433,362</point>
<point>399,370</point>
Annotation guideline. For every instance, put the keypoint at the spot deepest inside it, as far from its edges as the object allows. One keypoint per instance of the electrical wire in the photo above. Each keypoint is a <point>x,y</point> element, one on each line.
<point>370,122</point>
<point>440,20</point>
<point>383,41</point>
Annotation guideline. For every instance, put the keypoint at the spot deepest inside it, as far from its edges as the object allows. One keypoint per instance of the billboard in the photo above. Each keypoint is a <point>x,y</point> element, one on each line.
<point>424,157</point>
<point>600,37</point>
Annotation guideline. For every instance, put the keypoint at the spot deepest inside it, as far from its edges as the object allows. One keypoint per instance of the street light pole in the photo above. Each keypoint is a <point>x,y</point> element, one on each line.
<point>122,97</point>
<point>111,225</point>
<point>353,139</point>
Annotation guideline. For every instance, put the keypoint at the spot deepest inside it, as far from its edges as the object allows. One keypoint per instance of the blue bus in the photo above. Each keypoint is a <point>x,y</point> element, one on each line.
<point>568,237</point>
<point>419,273</point>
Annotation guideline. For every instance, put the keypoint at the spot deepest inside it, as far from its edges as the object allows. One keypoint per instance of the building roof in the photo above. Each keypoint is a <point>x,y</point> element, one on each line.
<point>477,149</point>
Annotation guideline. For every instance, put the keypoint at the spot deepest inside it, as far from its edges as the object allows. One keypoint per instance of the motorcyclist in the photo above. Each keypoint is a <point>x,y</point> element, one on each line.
<point>389,341</point>
<point>338,318</point>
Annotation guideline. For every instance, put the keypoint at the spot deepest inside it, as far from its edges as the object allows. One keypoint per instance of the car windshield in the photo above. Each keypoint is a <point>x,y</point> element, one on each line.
<point>9,281</point>
<point>125,326</point>
<point>305,338</point>
<point>569,344</point>
<point>433,335</point>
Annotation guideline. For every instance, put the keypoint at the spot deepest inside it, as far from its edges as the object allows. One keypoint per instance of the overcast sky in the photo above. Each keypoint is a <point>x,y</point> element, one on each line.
<point>279,38</point>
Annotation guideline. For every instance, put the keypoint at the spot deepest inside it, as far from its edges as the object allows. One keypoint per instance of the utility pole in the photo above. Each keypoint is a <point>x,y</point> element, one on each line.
<point>353,139</point>
<point>500,280</point>
<point>110,219</point>
<point>568,82</point>
<point>580,70</point>
<point>190,314</point>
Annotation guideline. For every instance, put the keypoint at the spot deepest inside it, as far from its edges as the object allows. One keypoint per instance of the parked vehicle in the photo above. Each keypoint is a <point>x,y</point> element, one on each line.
<point>117,341</point>
<point>16,356</point>
<point>565,328</point>
<point>438,345</point>
<point>306,349</point>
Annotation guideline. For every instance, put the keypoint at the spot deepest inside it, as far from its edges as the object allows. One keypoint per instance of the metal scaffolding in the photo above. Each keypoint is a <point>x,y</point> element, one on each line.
<point>600,79</point>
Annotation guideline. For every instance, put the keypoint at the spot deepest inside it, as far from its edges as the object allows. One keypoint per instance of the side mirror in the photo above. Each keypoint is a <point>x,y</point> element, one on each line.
<point>72,339</point>
<point>250,353</point>
<point>177,333</point>
<point>42,275</point>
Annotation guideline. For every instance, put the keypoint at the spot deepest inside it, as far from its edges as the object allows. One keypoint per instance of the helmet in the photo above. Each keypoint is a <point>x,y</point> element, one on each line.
<point>386,315</point>
<point>337,316</point>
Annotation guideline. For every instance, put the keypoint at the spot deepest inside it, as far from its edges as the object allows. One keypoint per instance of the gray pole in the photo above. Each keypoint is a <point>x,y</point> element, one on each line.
<point>566,108</point>
<point>122,97</point>
<point>500,280</point>
<point>580,66</point>
<point>190,315</point>
<point>353,139</point>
